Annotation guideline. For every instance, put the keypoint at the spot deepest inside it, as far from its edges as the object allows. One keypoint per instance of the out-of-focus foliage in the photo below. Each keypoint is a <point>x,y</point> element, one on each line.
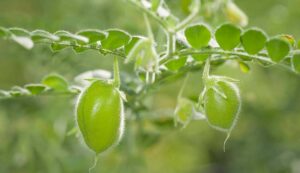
<point>36,133</point>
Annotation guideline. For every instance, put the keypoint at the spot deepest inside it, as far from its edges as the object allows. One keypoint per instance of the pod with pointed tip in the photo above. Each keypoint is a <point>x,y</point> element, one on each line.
<point>222,109</point>
<point>100,115</point>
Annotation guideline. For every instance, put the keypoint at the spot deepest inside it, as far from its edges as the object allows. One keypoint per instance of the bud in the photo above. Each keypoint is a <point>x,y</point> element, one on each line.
<point>235,15</point>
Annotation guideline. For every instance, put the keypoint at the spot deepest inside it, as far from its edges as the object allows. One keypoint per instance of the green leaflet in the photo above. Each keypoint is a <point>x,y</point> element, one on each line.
<point>115,39</point>
<point>56,83</point>
<point>222,104</point>
<point>93,35</point>
<point>253,40</point>
<point>35,89</point>
<point>228,36</point>
<point>278,49</point>
<point>198,36</point>
<point>176,64</point>
<point>56,46</point>
<point>100,116</point>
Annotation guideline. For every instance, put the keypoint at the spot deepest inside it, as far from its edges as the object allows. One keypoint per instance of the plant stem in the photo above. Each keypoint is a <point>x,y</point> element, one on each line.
<point>148,26</point>
<point>223,52</point>
<point>171,44</point>
<point>117,81</point>
<point>150,13</point>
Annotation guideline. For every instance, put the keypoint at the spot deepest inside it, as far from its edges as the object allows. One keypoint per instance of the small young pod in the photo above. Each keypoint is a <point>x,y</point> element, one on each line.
<point>100,115</point>
<point>222,105</point>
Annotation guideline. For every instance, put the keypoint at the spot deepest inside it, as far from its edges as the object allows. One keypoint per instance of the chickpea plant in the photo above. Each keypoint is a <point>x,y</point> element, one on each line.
<point>191,45</point>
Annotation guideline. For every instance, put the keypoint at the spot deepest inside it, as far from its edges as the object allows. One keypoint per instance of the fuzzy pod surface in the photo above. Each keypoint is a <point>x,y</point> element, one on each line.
<point>100,115</point>
<point>222,110</point>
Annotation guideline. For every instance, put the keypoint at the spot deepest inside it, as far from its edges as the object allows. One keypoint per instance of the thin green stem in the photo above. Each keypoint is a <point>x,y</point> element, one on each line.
<point>183,86</point>
<point>117,81</point>
<point>206,70</point>
<point>148,26</point>
<point>151,14</point>
<point>171,44</point>
<point>223,52</point>
<point>190,18</point>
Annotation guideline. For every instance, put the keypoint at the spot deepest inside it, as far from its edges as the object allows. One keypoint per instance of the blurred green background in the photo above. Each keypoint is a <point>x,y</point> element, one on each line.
<point>33,131</point>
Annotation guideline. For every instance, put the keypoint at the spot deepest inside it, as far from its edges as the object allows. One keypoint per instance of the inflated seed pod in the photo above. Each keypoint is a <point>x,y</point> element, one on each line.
<point>100,115</point>
<point>222,105</point>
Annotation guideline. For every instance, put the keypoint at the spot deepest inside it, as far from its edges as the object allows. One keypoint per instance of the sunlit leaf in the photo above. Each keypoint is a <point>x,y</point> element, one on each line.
<point>253,40</point>
<point>228,36</point>
<point>198,36</point>
<point>56,82</point>
<point>278,49</point>
<point>115,39</point>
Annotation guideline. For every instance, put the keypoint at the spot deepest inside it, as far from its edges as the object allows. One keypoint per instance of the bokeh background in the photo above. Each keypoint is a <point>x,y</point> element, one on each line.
<point>33,131</point>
